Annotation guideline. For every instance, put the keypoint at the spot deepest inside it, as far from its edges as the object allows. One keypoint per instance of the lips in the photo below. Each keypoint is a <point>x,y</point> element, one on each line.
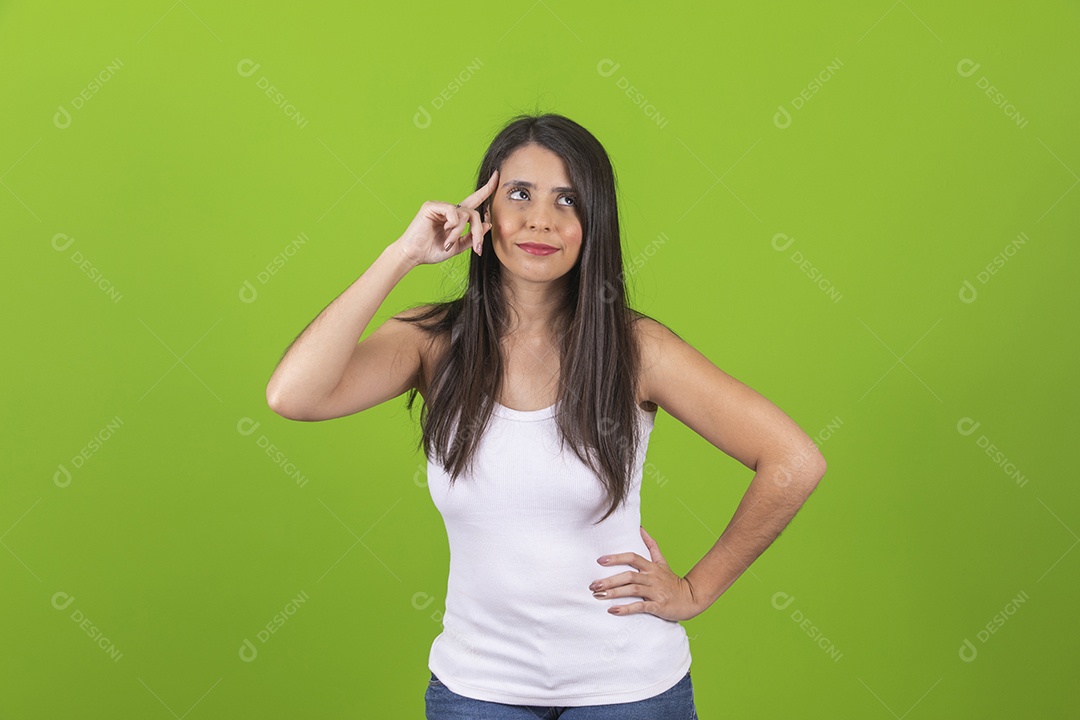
<point>539,249</point>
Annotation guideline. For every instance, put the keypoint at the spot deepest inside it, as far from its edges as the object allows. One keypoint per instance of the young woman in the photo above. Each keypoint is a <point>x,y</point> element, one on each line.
<point>541,387</point>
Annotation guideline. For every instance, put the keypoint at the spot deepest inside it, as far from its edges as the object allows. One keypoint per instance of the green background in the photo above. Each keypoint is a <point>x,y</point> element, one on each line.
<point>170,228</point>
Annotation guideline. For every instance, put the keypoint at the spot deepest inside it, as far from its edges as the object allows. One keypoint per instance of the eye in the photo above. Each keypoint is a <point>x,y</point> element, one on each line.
<point>514,190</point>
<point>571,198</point>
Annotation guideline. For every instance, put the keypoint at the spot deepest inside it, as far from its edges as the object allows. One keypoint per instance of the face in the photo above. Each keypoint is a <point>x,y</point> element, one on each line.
<point>534,203</point>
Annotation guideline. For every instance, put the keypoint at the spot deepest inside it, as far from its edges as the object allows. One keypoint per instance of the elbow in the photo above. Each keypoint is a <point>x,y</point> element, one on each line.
<point>803,469</point>
<point>276,403</point>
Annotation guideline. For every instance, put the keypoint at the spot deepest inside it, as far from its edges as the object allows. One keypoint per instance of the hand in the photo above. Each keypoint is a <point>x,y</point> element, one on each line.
<point>437,231</point>
<point>665,594</point>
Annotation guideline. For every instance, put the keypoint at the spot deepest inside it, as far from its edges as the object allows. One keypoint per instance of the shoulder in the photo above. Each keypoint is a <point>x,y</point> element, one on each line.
<point>655,341</point>
<point>652,336</point>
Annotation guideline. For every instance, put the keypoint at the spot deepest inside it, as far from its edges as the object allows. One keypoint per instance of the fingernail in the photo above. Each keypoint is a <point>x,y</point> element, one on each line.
<point>603,560</point>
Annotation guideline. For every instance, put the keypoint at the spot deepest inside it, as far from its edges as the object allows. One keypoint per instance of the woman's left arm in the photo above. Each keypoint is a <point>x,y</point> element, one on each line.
<point>748,427</point>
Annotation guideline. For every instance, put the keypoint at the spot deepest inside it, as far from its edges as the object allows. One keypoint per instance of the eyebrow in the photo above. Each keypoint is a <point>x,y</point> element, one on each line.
<point>530,186</point>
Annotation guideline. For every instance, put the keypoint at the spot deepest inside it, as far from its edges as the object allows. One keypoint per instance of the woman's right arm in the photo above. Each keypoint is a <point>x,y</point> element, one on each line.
<point>325,373</point>
<point>307,382</point>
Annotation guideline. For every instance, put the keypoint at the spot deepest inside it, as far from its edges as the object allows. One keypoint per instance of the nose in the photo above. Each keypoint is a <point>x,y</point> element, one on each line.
<point>539,217</point>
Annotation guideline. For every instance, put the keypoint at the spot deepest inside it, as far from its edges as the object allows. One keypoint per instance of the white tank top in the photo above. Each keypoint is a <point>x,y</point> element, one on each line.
<point>521,625</point>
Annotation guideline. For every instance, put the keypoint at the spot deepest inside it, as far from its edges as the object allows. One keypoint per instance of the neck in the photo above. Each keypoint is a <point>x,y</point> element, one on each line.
<point>532,308</point>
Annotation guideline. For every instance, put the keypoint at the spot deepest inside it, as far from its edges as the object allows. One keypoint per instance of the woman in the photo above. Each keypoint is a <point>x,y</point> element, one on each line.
<point>541,388</point>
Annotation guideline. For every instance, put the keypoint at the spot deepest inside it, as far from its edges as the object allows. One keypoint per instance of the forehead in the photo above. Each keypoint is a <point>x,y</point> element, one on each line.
<point>537,161</point>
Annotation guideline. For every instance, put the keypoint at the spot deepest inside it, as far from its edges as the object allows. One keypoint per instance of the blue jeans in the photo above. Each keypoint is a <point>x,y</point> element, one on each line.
<point>676,703</point>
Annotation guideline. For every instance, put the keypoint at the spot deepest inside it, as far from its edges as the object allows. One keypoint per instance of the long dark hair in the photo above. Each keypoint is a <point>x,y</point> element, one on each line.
<point>599,359</point>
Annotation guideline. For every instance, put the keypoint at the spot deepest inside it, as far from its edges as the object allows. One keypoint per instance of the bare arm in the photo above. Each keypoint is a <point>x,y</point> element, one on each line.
<point>315,362</point>
<point>748,427</point>
<point>325,373</point>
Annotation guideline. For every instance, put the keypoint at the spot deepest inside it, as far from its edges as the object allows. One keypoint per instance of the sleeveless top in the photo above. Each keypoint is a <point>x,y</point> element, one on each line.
<point>521,625</point>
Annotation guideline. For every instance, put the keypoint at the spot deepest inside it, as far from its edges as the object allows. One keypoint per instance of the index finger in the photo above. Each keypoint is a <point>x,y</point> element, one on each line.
<point>474,200</point>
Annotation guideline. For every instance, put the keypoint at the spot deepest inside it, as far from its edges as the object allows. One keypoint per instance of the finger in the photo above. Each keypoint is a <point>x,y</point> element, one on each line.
<point>622,578</point>
<point>627,609</point>
<point>654,549</point>
<point>476,225</point>
<point>459,227</point>
<point>452,215</point>
<point>628,590</point>
<point>455,220</point>
<point>480,195</point>
<point>632,559</point>
<point>459,233</point>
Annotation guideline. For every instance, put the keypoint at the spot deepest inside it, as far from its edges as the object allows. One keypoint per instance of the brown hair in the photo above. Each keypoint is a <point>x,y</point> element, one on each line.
<point>599,359</point>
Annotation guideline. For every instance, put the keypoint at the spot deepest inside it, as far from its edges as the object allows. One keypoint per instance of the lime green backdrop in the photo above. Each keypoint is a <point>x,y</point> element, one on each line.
<point>865,211</point>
